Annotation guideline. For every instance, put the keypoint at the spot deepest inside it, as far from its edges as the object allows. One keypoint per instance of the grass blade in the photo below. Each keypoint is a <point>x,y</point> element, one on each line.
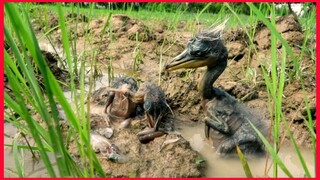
<point>27,117</point>
<point>16,153</point>
<point>244,163</point>
<point>272,152</point>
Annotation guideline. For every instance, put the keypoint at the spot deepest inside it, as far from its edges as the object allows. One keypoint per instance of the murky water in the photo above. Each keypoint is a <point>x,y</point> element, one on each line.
<point>32,167</point>
<point>231,167</point>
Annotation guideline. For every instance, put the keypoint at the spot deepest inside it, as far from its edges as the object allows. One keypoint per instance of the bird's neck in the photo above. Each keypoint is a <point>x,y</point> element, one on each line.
<point>211,75</point>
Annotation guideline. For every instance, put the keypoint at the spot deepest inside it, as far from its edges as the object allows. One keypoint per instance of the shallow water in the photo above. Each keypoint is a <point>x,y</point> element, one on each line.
<point>32,167</point>
<point>231,167</point>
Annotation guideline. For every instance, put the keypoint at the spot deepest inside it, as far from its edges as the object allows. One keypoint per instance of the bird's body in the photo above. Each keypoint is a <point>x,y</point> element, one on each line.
<point>227,120</point>
<point>154,102</point>
<point>122,105</point>
<point>117,100</point>
<point>155,107</point>
<point>234,128</point>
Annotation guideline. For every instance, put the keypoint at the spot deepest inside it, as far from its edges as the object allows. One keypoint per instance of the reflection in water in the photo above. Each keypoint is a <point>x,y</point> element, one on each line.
<point>231,167</point>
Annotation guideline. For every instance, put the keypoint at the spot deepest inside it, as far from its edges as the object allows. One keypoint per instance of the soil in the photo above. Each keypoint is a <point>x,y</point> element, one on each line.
<point>242,78</point>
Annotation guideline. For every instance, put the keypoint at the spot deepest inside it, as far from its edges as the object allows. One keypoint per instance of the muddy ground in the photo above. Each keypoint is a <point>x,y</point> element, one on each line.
<point>171,155</point>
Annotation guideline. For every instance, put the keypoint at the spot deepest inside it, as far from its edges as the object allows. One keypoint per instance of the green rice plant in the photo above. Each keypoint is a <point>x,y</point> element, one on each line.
<point>275,85</point>
<point>18,152</point>
<point>244,163</point>
<point>309,29</point>
<point>110,71</point>
<point>104,29</point>
<point>249,32</point>
<point>203,10</point>
<point>276,76</point>
<point>21,88</point>
<point>26,92</point>
<point>198,15</point>
<point>137,54</point>
<point>73,42</point>
<point>295,71</point>
<point>272,152</point>
<point>44,23</point>
<point>171,17</point>
<point>84,132</point>
<point>162,51</point>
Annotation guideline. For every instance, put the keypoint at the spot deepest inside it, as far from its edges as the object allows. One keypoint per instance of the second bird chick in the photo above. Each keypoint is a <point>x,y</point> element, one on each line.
<point>155,107</point>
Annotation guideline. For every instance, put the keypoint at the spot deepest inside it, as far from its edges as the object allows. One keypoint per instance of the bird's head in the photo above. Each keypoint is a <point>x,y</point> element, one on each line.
<point>205,49</point>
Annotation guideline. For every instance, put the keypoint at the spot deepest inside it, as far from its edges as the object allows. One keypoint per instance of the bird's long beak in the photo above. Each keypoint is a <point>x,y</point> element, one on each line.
<point>184,60</point>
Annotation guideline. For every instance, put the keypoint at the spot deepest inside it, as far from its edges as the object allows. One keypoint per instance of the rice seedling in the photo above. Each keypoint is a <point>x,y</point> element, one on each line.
<point>26,90</point>
<point>244,163</point>
<point>19,164</point>
<point>137,54</point>
<point>275,85</point>
<point>276,76</point>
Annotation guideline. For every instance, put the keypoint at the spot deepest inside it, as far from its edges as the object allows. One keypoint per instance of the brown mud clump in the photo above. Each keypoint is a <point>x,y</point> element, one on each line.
<point>132,29</point>
<point>166,156</point>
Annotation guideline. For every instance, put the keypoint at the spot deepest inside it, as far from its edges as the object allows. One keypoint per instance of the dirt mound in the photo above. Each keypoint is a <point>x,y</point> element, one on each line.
<point>133,29</point>
<point>236,43</point>
<point>121,25</point>
<point>50,21</point>
<point>166,156</point>
<point>181,91</point>
<point>288,26</point>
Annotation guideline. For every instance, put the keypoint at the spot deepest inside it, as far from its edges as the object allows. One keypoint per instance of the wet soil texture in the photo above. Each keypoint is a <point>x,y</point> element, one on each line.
<point>140,49</point>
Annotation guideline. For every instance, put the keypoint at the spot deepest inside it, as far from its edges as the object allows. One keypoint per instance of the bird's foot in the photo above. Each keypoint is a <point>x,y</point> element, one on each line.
<point>125,123</point>
<point>148,135</point>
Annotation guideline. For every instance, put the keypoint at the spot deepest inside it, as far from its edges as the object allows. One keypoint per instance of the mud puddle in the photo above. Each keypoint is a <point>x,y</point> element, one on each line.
<point>32,167</point>
<point>231,167</point>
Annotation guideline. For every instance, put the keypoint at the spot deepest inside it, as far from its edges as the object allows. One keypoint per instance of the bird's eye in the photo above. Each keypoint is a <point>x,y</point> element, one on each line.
<point>216,52</point>
<point>196,53</point>
<point>191,40</point>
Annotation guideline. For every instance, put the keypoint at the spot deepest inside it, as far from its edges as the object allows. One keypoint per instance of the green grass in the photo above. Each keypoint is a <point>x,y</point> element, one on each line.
<point>23,64</point>
<point>26,89</point>
<point>172,18</point>
<point>275,77</point>
<point>275,82</point>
